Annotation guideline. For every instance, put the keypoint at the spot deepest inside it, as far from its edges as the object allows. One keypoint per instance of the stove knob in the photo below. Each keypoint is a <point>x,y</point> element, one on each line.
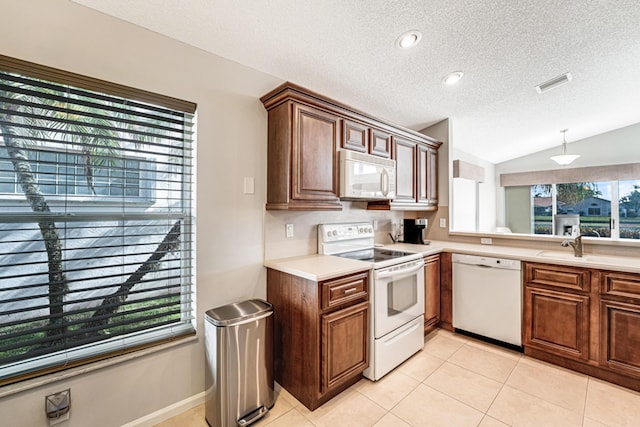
<point>328,234</point>
<point>334,232</point>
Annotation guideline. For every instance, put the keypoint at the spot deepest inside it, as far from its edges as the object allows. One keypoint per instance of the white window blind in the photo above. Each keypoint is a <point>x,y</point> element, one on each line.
<point>96,219</point>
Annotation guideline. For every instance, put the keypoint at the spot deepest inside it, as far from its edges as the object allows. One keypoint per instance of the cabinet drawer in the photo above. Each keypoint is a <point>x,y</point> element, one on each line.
<point>557,276</point>
<point>345,289</point>
<point>620,284</point>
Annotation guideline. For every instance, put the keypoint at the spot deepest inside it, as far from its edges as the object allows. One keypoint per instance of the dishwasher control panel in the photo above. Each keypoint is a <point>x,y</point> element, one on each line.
<point>483,261</point>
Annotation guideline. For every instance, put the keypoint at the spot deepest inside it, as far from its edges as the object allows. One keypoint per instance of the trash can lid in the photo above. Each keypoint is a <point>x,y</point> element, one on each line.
<point>238,312</point>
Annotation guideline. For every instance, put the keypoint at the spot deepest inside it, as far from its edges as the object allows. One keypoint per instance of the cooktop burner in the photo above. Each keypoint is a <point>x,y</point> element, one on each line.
<point>374,254</point>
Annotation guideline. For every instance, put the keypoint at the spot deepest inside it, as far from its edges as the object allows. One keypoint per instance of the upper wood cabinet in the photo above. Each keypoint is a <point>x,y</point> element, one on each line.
<point>416,175</point>
<point>302,155</point>
<point>380,143</point>
<point>355,136</point>
<point>305,132</point>
<point>405,154</point>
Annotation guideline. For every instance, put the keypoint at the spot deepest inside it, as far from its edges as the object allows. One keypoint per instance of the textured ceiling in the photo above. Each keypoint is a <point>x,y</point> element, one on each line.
<point>345,50</point>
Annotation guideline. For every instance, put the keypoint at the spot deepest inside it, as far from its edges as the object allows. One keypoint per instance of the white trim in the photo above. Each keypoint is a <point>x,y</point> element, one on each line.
<point>168,411</point>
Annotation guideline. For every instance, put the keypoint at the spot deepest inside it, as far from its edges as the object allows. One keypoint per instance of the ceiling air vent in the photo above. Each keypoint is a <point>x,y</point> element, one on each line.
<point>554,82</point>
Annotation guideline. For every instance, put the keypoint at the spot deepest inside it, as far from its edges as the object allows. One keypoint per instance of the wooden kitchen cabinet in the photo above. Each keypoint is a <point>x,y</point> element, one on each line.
<point>321,333</point>
<point>359,137</point>
<point>405,154</point>
<point>302,156</point>
<point>380,143</point>
<point>345,347</point>
<point>556,313</point>
<point>620,322</point>
<point>355,136</point>
<point>557,322</point>
<point>431,292</point>
<point>584,319</point>
<point>305,132</point>
<point>416,175</point>
<point>446,291</point>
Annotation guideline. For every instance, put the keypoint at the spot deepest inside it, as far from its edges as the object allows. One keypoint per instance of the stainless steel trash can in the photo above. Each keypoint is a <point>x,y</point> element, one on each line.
<point>239,363</point>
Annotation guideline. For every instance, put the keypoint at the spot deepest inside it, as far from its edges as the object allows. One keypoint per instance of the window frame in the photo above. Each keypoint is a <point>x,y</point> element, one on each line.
<point>134,342</point>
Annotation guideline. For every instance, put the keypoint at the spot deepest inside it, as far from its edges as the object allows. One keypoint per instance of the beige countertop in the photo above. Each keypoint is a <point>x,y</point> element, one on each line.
<point>318,267</point>
<point>562,256</point>
<point>322,267</point>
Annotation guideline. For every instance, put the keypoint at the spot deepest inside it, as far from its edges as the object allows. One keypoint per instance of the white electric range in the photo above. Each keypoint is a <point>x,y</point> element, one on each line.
<point>396,293</point>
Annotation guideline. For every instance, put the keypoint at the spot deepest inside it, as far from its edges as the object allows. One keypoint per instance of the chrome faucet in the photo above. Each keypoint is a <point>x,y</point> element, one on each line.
<point>576,244</point>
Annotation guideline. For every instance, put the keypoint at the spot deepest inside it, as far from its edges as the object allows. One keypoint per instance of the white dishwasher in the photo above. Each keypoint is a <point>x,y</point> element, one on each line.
<point>487,297</point>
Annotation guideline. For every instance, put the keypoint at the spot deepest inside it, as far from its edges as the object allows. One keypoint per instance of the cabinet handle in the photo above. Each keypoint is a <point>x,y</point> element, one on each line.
<point>348,291</point>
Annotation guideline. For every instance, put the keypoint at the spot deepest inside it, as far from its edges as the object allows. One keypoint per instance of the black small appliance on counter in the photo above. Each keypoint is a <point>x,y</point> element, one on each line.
<point>415,231</point>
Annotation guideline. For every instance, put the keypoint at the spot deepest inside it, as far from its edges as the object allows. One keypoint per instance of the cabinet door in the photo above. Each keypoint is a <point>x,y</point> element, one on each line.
<point>314,172</point>
<point>380,143</point>
<point>422,173</point>
<point>345,345</point>
<point>432,176</point>
<point>620,337</point>
<point>431,292</point>
<point>557,322</point>
<point>355,136</point>
<point>404,153</point>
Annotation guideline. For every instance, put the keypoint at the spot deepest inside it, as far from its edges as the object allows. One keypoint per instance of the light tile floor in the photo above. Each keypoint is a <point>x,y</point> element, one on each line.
<point>457,381</point>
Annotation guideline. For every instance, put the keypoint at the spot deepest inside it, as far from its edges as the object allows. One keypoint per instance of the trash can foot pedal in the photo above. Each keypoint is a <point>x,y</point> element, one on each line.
<point>253,416</point>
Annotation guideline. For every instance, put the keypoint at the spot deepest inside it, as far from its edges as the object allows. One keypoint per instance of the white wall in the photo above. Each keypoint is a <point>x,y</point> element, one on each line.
<point>486,195</point>
<point>232,132</point>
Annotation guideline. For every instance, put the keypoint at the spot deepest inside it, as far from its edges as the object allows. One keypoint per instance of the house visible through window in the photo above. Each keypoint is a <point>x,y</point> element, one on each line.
<point>605,209</point>
<point>96,219</point>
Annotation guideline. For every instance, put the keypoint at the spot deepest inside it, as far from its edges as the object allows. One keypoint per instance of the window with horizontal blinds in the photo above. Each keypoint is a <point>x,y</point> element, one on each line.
<point>96,219</point>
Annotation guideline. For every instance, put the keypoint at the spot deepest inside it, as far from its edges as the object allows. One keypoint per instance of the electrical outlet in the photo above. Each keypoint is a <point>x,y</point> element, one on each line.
<point>288,230</point>
<point>443,222</point>
<point>375,224</point>
<point>486,240</point>
<point>57,406</point>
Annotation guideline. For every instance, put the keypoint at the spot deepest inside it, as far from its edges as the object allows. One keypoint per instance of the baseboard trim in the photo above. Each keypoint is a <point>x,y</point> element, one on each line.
<point>167,412</point>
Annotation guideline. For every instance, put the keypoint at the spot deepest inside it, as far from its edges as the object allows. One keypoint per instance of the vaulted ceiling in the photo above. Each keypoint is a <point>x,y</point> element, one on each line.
<point>346,49</point>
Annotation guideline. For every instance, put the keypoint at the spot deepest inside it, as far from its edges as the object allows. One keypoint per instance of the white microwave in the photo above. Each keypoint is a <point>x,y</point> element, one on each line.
<point>363,176</point>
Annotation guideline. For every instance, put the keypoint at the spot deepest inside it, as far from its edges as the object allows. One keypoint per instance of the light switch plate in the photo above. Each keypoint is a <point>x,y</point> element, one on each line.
<point>249,185</point>
<point>443,222</point>
<point>486,240</point>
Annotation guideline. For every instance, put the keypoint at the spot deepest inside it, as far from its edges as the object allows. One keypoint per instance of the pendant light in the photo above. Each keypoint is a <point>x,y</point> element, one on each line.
<point>564,158</point>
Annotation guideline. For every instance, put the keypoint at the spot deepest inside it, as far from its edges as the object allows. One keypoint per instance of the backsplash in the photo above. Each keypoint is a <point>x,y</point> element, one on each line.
<point>305,225</point>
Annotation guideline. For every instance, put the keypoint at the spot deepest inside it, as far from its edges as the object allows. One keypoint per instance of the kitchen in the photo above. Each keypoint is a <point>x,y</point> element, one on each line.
<point>245,234</point>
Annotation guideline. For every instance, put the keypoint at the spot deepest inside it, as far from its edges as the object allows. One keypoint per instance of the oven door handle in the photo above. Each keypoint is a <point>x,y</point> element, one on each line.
<point>398,274</point>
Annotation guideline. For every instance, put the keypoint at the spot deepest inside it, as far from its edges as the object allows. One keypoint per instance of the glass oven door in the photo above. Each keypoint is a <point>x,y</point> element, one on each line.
<point>398,296</point>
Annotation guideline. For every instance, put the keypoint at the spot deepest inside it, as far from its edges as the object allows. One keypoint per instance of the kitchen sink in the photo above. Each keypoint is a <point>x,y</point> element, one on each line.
<point>595,259</point>
<point>557,255</point>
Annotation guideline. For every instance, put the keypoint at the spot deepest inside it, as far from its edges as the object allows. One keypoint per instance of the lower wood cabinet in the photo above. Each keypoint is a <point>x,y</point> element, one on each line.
<point>584,319</point>
<point>431,292</point>
<point>620,337</point>
<point>345,351</point>
<point>557,322</point>
<point>321,333</point>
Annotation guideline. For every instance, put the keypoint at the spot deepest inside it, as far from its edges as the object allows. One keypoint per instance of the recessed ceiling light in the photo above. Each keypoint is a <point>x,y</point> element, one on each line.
<point>452,78</point>
<point>409,39</point>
